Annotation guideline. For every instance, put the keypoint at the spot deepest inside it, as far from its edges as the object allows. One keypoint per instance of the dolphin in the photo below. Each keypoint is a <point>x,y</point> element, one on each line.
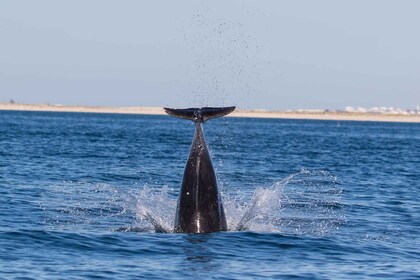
<point>200,208</point>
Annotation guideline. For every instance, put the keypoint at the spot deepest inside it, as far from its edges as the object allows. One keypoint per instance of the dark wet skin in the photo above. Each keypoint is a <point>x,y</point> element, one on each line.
<point>200,208</point>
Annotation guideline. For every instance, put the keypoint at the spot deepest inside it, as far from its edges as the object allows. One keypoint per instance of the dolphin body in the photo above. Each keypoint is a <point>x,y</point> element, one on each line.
<point>200,208</point>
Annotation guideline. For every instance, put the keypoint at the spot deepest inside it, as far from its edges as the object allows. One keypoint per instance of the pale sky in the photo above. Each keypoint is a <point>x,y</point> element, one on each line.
<point>252,54</point>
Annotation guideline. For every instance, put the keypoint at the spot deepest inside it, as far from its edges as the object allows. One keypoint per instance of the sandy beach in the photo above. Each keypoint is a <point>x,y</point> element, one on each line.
<point>338,116</point>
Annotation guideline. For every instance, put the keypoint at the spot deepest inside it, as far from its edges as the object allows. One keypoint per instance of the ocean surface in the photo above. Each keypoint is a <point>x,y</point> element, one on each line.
<point>319,199</point>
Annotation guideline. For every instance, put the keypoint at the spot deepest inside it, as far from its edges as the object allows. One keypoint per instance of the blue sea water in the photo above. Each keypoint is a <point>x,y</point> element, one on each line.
<point>318,199</point>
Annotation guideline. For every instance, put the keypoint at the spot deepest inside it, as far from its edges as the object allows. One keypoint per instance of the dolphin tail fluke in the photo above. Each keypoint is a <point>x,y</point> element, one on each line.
<point>200,114</point>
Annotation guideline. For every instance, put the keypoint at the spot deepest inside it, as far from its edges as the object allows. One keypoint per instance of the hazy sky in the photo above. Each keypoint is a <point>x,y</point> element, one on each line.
<point>253,54</point>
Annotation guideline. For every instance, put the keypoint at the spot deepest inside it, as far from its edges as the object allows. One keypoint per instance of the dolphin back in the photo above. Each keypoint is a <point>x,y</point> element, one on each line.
<point>200,114</point>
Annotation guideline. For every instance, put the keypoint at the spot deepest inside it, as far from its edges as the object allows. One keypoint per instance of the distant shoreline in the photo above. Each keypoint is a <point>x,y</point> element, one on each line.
<point>336,116</point>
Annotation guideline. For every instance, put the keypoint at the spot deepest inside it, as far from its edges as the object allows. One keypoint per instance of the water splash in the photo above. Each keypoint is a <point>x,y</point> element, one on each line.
<point>307,202</point>
<point>225,58</point>
<point>156,207</point>
<point>263,208</point>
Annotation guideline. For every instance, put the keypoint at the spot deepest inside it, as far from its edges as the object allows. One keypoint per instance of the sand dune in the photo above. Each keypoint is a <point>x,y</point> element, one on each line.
<point>238,113</point>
